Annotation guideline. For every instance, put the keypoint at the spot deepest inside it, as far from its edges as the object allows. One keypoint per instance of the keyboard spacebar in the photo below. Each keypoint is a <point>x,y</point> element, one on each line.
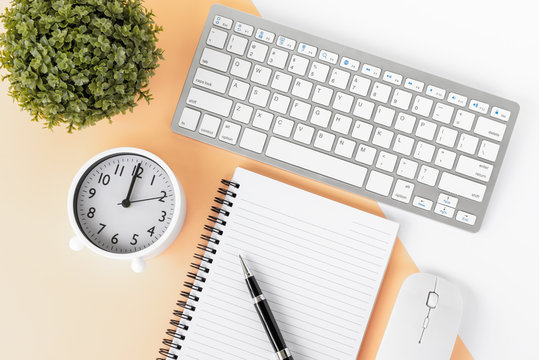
<point>316,161</point>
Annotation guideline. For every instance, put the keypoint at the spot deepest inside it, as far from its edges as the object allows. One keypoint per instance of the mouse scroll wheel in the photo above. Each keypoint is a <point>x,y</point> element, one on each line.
<point>432,300</point>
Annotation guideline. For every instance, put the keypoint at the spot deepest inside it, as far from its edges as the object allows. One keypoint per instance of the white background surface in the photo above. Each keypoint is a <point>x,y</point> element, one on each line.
<point>492,46</point>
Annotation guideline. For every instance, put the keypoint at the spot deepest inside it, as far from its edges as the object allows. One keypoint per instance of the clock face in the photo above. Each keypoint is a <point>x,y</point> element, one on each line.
<point>124,203</point>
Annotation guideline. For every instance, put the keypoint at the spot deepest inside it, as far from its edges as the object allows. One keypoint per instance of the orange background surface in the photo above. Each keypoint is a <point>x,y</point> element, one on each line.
<point>58,304</point>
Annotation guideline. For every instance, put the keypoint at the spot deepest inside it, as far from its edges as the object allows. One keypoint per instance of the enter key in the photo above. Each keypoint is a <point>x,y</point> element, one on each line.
<point>474,168</point>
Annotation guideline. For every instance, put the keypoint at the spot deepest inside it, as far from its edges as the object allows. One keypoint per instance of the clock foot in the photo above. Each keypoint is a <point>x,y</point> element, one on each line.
<point>138,265</point>
<point>75,244</point>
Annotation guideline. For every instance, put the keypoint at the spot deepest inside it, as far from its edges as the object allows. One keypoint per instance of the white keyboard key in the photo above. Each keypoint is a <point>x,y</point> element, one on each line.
<point>379,183</point>
<point>316,161</point>
<point>343,102</point>
<point>261,75</point>
<point>253,140</point>
<point>444,210</point>
<point>382,138</point>
<point>242,113</point>
<point>478,106</point>
<point>238,90</point>
<point>362,130</point>
<point>489,128</point>
<point>279,103</point>
<point>424,151</point>
<point>499,113</point>
<point>240,68</point>
<point>298,65</point>
<point>304,134</point>
<point>380,92</point>
<point>237,45</point>
<point>210,80</point>
<point>222,22</point>
<point>384,116</point>
<point>283,127</point>
<point>264,35</point>
<point>363,109</point>
<point>209,125</point>
<point>371,70</point>
<point>324,140</point>
<point>403,144</point>
<point>302,88</point>
<point>447,200</point>
<point>306,49</point>
<point>414,85</point>
<point>428,175</point>
<point>365,154</point>
<point>405,123</point>
<point>426,129</point>
<point>386,161</point>
<point>360,85</point>
<point>422,203</point>
<point>281,81</point>
<point>259,96</point>
<point>243,29</point>
<point>447,136</point>
<point>257,51</point>
<point>328,56</point>
<point>341,124</point>
<point>210,102</point>
<point>345,147</point>
<point>322,95</point>
<point>339,78</point>
<point>215,59</point>
<point>401,99</point>
<point>407,168</point>
<point>443,113</point>
<point>263,120</point>
<point>403,191</point>
<point>435,92</point>
<point>422,106</point>
<point>300,110</point>
<point>278,58</point>
<point>230,133</point>
<point>474,168</point>
<point>320,117</point>
<point>318,72</point>
<point>457,99</point>
<point>189,119</point>
<point>464,120</point>
<point>462,187</point>
<point>217,38</point>
<point>286,43</point>
<point>488,150</point>
<point>350,64</point>
<point>467,143</point>
<point>392,78</point>
<point>445,158</point>
<point>465,217</point>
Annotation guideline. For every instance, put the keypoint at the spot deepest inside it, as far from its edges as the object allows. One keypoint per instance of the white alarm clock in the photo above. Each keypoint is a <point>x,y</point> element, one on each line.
<point>126,204</point>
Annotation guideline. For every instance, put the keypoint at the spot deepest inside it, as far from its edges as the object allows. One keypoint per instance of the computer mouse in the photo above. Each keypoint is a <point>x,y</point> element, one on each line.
<point>425,320</point>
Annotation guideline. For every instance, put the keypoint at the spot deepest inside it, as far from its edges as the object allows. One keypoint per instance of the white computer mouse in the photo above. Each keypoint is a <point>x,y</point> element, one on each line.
<point>425,320</point>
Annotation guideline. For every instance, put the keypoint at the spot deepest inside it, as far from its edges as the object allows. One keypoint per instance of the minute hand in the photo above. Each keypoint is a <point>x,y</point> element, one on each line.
<point>153,198</point>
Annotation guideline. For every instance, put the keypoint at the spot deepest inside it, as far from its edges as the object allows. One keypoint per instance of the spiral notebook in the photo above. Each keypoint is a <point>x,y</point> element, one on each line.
<point>319,263</point>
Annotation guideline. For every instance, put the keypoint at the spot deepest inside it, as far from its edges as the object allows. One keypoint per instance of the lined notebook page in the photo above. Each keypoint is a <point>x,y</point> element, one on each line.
<point>319,263</point>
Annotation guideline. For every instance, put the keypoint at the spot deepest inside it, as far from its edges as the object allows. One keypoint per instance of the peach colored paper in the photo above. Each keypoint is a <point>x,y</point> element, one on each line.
<point>57,304</point>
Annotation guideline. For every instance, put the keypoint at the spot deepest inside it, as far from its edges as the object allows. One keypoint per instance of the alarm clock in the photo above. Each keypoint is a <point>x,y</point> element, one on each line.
<point>126,204</point>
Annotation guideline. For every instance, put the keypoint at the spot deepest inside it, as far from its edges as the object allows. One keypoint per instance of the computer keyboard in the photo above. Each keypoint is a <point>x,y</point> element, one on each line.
<point>344,117</point>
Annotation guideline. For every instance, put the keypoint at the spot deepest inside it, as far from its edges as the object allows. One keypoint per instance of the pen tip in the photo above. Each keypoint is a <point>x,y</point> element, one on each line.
<point>246,271</point>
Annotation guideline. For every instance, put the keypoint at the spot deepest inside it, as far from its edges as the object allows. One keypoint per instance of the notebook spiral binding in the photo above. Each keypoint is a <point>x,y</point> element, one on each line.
<point>186,306</point>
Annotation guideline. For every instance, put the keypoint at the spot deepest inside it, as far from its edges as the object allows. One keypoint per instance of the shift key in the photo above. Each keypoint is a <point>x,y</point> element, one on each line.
<point>210,102</point>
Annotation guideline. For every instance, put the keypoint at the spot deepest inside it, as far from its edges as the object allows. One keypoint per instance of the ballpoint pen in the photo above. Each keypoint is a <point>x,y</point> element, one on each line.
<point>266,316</point>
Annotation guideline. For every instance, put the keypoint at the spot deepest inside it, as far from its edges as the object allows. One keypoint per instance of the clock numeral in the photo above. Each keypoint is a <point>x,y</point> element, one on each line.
<point>153,178</point>
<point>102,227</point>
<point>91,212</point>
<point>134,242</point>
<point>103,179</point>
<point>163,196</point>
<point>92,193</point>
<point>139,173</point>
<point>163,215</point>
<point>114,239</point>
<point>121,170</point>
<point>151,230</point>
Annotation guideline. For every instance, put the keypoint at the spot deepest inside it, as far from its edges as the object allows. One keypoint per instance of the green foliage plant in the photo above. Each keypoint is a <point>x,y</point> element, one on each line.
<point>75,62</point>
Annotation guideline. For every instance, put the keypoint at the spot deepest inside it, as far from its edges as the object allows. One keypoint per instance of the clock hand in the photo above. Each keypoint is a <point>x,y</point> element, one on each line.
<point>126,202</point>
<point>153,198</point>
